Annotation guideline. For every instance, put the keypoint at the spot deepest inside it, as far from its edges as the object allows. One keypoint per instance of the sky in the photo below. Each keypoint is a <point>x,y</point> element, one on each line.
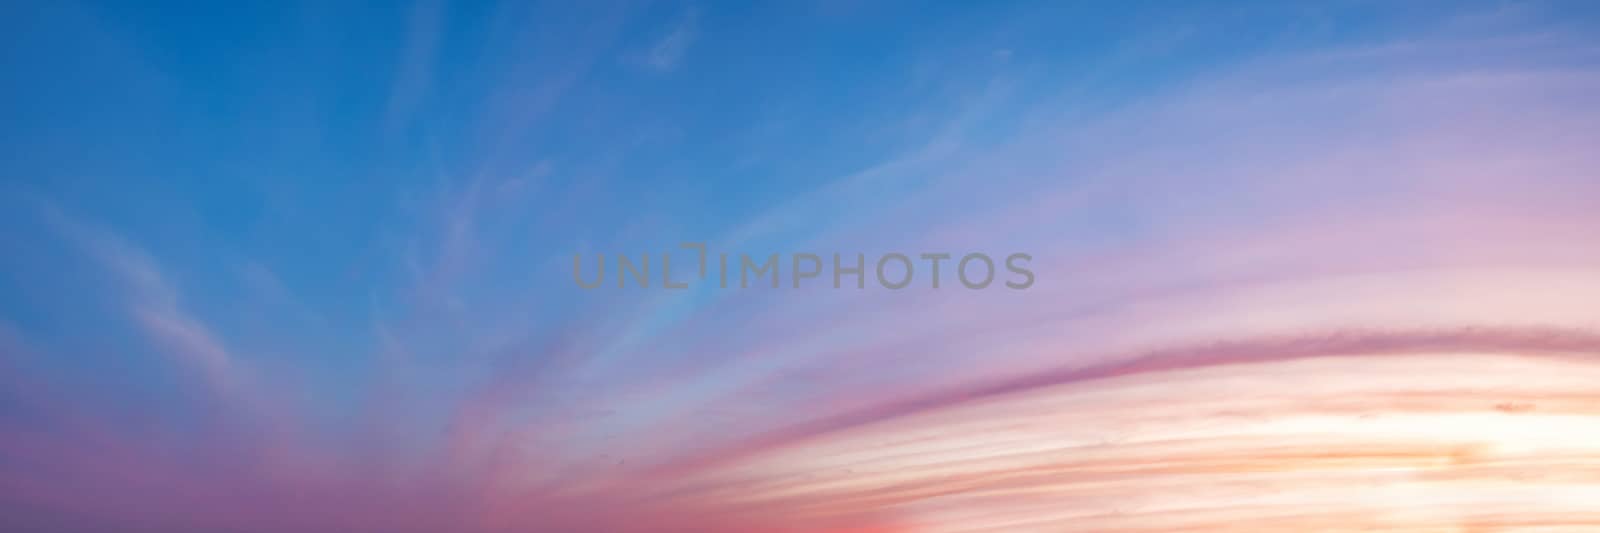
<point>309,266</point>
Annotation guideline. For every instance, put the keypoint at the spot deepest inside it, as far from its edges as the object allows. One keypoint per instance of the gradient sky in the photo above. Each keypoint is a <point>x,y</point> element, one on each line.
<point>276,266</point>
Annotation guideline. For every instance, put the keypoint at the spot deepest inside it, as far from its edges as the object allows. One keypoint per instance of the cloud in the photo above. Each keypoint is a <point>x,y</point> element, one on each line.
<point>1468,438</point>
<point>153,302</point>
<point>424,26</point>
<point>668,52</point>
<point>1300,286</point>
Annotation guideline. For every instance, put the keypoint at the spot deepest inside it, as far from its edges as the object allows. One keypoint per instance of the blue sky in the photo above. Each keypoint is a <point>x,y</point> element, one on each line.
<point>356,220</point>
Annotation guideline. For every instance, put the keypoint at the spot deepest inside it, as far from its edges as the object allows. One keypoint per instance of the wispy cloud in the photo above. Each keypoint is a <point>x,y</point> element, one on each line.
<point>1283,281</point>
<point>423,29</point>
<point>153,301</point>
<point>669,51</point>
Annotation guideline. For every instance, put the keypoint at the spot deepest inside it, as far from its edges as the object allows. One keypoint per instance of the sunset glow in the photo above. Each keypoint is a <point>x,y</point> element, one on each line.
<point>312,267</point>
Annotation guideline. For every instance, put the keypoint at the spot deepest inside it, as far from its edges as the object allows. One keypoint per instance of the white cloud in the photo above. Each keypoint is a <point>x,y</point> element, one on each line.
<point>669,51</point>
